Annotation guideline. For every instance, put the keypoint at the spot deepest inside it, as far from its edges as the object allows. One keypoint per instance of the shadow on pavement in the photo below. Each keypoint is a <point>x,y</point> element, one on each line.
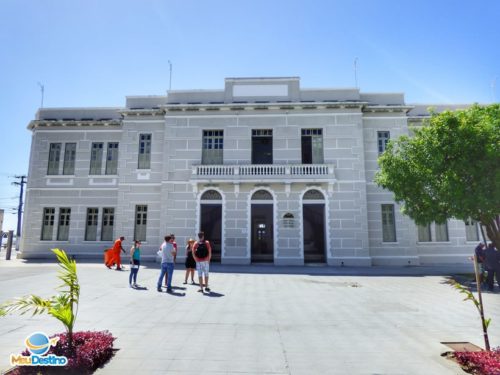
<point>308,269</point>
<point>140,288</point>
<point>176,294</point>
<point>213,294</point>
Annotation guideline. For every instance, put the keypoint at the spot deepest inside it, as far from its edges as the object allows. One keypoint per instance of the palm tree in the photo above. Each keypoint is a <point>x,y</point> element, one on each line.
<point>63,307</point>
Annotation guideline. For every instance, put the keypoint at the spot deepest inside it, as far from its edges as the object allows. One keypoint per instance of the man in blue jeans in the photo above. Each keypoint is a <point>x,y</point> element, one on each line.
<point>167,252</point>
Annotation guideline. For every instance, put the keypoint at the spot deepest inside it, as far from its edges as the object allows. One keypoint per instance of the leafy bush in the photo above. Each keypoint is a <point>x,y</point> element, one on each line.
<point>63,307</point>
<point>89,351</point>
<point>481,363</point>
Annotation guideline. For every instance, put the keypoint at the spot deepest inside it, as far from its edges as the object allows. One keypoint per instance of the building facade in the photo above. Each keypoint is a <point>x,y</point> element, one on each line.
<point>270,171</point>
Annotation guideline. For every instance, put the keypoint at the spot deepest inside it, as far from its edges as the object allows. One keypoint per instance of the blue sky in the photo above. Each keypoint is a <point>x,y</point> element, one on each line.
<point>95,52</point>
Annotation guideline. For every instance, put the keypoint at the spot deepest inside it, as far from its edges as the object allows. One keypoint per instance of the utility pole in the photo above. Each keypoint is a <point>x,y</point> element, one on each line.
<point>20,207</point>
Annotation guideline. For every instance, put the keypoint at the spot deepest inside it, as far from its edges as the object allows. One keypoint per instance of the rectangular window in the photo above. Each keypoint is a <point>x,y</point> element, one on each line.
<point>91,224</point>
<point>424,233</point>
<point>141,217</point>
<point>213,147</point>
<point>383,139</point>
<point>312,146</point>
<point>441,232</point>
<point>112,158</point>
<point>69,158</point>
<point>144,151</point>
<point>108,221</point>
<point>388,223</point>
<point>49,214</point>
<point>471,231</point>
<point>63,228</point>
<point>262,146</point>
<point>54,157</point>
<point>96,158</point>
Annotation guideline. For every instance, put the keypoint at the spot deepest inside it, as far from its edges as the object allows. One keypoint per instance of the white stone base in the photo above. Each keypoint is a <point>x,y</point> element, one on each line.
<point>289,262</point>
<point>350,261</point>
<point>395,261</point>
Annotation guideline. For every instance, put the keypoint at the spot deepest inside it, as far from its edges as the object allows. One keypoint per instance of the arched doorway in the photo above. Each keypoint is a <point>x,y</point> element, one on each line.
<point>211,221</point>
<point>262,227</point>
<point>313,221</point>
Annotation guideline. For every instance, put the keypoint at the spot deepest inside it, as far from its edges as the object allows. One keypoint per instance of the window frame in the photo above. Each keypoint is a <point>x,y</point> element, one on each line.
<point>54,159</point>
<point>212,150</point>
<point>69,158</point>
<point>428,233</point>
<point>258,147</point>
<point>96,154</point>
<point>316,144</point>
<point>471,225</point>
<point>112,158</point>
<point>48,221</point>
<point>389,223</point>
<point>94,218</point>
<point>64,223</point>
<point>140,222</point>
<point>383,138</point>
<point>107,223</point>
<point>144,153</point>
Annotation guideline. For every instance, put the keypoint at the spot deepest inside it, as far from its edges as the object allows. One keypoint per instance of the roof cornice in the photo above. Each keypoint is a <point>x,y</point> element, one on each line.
<point>34,124</point>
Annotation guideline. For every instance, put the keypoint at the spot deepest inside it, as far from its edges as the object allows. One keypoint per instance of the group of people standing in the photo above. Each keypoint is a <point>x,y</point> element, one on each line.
<point>489,259</point>
<point>198,255</point>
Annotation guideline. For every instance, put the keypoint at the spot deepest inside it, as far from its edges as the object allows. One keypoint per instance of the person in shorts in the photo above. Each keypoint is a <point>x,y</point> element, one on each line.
<point>190,263</point>
<point>202,253</point>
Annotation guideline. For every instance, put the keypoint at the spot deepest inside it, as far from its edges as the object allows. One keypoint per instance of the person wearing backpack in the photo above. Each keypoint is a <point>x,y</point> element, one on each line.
<point>202,252</point>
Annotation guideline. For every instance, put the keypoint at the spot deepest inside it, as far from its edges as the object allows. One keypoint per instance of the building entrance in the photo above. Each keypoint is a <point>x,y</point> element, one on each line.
<point>211,221</point>
<point>262,233</point>
<point>313,211</point>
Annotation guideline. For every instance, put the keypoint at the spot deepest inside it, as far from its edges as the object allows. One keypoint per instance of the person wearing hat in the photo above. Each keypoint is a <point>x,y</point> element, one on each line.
<point>190,263</point>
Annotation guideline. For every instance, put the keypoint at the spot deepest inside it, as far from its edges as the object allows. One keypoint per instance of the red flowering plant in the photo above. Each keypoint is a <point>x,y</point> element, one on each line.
<point>480,363</point>
<point>88,351</point>
<point>85,351</point>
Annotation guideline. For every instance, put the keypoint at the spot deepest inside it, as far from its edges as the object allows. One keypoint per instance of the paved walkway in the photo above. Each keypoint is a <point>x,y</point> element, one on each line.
<point>262,319</point>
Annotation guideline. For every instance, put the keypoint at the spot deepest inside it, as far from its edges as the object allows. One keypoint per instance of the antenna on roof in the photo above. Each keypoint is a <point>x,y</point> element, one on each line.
<point>356,72</point>
<point>170,80</point>
<point>42,89</point>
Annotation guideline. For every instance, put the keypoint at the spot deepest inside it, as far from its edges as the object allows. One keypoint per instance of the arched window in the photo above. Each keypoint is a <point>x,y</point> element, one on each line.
<point>288,220</point>
<point>211,195</point>
<point>313,195</point>
<point>262,195</point>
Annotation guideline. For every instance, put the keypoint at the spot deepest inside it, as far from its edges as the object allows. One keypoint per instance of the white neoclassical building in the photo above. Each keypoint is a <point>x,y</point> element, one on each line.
<point>270,171</point>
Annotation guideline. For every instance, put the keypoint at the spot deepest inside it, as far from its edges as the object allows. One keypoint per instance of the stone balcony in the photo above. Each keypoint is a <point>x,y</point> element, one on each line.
<point>264,173</point>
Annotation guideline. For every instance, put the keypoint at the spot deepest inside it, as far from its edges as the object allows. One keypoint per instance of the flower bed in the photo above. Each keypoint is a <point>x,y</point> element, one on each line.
<point>90,351</point>
<point>480,363</point>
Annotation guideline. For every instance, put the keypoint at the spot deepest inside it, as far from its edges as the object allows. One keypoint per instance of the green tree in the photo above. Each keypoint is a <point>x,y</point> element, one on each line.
<point>450,168</point>
<point>63,307</point>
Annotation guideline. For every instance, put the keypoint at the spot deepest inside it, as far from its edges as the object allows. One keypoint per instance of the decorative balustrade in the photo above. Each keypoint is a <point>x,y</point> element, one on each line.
<point>263,172</point>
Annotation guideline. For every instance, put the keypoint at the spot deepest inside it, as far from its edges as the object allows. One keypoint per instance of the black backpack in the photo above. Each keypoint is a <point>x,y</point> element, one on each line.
<point>201,250</point>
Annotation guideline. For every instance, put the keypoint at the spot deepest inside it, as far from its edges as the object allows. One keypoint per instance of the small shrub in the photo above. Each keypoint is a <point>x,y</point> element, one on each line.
<point>89,351</point>
<point>480,363</point>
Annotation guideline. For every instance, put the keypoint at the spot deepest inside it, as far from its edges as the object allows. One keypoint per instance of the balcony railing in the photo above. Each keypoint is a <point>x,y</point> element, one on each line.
<point>267,172</point>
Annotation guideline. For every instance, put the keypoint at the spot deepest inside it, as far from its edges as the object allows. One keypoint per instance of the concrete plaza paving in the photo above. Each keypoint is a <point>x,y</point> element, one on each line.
<point>262,319</point>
